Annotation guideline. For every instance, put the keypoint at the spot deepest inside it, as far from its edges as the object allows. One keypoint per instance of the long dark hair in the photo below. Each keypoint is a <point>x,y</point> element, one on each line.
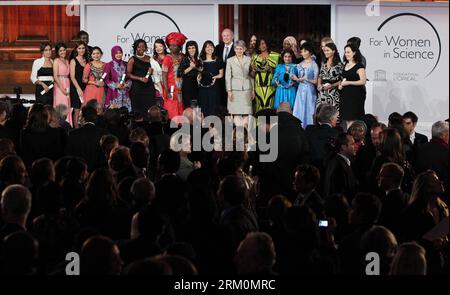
<point>203,53</point>
<point>75,52</point>
<point>258,44</point>
<point>357,57</point>
<point>336,56</point>
<point>391,146</point>
<point>58,46</point>
<point>101,188</point>
<point>189,44</point>
<point>159,41</point>
<point>37,118</point>
<point>136,44</point>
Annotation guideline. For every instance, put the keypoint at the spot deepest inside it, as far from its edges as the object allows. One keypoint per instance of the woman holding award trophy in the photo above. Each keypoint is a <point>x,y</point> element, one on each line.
<point>286,87</point>
<point>209,90</point>
<point>117,94</point>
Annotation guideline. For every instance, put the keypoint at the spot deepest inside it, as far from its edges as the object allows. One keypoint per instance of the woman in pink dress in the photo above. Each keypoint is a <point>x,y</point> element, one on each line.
<point>93,76</point>
<point>61,73</point>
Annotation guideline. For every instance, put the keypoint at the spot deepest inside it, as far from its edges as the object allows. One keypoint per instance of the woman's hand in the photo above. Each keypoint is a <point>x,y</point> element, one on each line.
<point>230,96</point>
<point>46,89</point>
<point>293,77</point>
<point>144,80</point>
<point>99,83</point>
<point>345,83</point>
<point>320,87</point>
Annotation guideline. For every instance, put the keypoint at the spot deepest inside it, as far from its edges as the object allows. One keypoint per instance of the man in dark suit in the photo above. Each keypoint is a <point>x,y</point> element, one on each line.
<point>15,205</point>
<point>410,123</point>
<point>434,155</point>
<point>307,178</point>
<point>323,134</point>
<point>225,50</point>
<point>394,200</point>
<point>84,142</point>
<point>339,176</point>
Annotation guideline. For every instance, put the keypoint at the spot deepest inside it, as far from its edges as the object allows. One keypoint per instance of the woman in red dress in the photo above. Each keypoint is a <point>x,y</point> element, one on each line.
<point>173,101</point>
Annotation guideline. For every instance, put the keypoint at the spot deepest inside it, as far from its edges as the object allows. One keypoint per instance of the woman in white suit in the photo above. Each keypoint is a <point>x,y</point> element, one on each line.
<point>239,83</point>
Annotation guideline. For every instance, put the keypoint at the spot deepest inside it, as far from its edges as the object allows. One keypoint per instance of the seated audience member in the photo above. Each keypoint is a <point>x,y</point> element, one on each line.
<point>424,211</point>
<point>107,144</point>
<point>307,178</point>
<point>100,256</point>
<point>12,171</point>
<point>240,220</point>
<point>410,260</point>
<point>15,205</point>
<point>394,200</point>
<point>382,241</point>
<point>434,155</point>
<point>61,110</point>
<point>121,164</point>
<point>339,176</point>
<point>139,134</point>
<point>256,255</point>
<point>19,254</point>
<point>6,148</point>
<point>142,193</point>
<point>363,214</point>
<point>84,142</point>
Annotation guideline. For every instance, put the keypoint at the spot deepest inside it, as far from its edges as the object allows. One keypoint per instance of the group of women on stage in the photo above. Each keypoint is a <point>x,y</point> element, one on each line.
<point>176,81</point>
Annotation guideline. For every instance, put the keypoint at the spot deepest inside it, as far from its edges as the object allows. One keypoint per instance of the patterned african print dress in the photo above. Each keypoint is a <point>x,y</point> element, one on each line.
<point>264,91</point>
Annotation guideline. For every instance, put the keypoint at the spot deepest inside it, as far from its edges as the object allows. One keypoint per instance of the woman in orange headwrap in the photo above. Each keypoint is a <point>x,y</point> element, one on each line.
<point>173,101</point>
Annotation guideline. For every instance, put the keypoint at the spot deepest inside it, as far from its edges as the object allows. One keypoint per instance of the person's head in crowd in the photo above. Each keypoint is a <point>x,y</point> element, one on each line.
<point>148,267</point>
<point>345,145</point>
<point>382,241</point>
<point>391,146</point>
<point>139,47</point>
<point>290,44</point>
<point>284,107</point>
<point>76,170</point>
<point>307,178</point>
<point>100,256</point>
<point>53,117</point>
<point>142,192</point>
<point>42,171</point>
<point>208,48</point>
<point>13,171</point>
<point>168,162</point>
<point>61,110</point>
<point>182,249</point>
<point>375,134</point>
<point>277,207</point>
<point>46,49</point>
<point>390,176</point>
<point>287,55</point>
<point>365,209</point>
<point>37,118</point>
<point>355,41</point>
<point>112,117</point>
<point>6,148</point>
<point>16,204</point>
<point>175,41</point>
<point>263,45</point>
<point>328,114</point>
<point>426,191</point>
<point>120,158</point>
<point>80,49</point>
<point>50,199</point>
<point>18,116</point>
<point>192,49</point>
<point>410,260</point>
<point>439,131</point>
<point>139,154</point>
<point>330,51</point>
<point>358,130</point>
<point>180,266</point>
<point>61,50</point>
<point>20,251</point>
<point>336,206</point>
<point>240,47</point>
<point>325,41</point>
<point>93,103</point>
<point>233,191</point>
<point>83,36</point>
<point>255,255</point>
<point>352,53</point>
<point>4,108</point>
<point>96,53</point>
<point>88,115</point>
<point>139,134</point>
<point>307,50</point>
<point>252,42</point>
<point>108,143</point>
<point>159,47</point>
<point>369,120</point>
<point>395,119</point>
<point>101,189</point>
<point>227,36</point>
<point>410,122</point>
<point>154,114</point>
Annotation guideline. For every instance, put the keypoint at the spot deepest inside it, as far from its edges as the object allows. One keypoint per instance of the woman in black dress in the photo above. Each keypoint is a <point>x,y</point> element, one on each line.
<point>42,75</point>
<point>139,70</point>
<point>209,90</point>
<point>188,71</point>
<point>353,91</point>
<point>78,60</point>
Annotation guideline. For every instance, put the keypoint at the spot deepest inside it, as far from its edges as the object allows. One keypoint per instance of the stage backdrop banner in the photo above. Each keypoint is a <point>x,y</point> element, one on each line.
<point>407,51</point>
<point>110,25</point>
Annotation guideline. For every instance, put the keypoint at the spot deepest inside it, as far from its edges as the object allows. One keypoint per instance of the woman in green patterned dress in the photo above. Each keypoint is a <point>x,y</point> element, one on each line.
<point>262,68</point>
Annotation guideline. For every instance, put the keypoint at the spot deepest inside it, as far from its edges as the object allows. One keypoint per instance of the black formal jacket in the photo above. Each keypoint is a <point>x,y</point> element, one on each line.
<point>219,51</point>
<point>84,142</point>
<point>339,178</point>
<point>319,136</point>
<point>393,205</point>
<point>434,155</point>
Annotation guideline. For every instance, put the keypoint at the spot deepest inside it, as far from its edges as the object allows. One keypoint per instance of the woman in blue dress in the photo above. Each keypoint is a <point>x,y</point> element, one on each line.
<point>308,72</point>
<point>286,86</point>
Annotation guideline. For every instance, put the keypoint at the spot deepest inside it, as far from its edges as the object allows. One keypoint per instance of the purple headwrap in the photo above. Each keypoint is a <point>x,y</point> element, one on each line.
<point>114,50</point>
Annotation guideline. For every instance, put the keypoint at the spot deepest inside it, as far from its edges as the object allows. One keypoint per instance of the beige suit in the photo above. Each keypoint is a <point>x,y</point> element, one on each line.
<point>239,81</point>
